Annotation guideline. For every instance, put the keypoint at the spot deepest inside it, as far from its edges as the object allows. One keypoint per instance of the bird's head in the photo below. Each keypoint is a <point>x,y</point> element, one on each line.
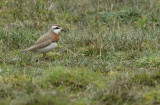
<point>56,29</point>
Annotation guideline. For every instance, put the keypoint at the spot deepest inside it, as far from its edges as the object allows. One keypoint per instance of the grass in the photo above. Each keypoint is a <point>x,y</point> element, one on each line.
<point>108,56</point>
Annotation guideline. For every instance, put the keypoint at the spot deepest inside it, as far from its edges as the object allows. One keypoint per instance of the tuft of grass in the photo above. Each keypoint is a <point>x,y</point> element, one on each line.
<point>124,16</point>
<point>149,61</point>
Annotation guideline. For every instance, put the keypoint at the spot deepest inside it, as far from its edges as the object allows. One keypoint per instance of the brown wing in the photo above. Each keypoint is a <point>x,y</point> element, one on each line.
<point>39,46</point>
<point>44,38</point>
<point>42,42</point>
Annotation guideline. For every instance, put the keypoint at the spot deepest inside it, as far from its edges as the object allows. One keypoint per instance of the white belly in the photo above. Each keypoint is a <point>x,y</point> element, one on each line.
<point>48,48</point>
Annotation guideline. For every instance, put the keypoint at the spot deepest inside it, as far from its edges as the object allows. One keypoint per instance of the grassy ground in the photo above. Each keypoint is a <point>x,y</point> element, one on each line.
<point>110,54</point>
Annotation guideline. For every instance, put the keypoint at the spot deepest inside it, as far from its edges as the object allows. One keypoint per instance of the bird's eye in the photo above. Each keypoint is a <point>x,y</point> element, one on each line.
<point>56,28</point>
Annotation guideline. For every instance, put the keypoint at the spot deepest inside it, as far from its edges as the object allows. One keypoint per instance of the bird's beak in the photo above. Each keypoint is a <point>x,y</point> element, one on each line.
<point>63,30</point>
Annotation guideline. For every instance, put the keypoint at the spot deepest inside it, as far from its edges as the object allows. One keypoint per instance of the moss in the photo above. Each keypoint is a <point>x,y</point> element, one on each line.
<point>112,73</point>
<point>152,96</point>
<point>16,79</point>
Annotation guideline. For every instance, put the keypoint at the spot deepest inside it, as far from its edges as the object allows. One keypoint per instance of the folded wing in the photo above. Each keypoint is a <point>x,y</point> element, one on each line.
<point>38,46</point>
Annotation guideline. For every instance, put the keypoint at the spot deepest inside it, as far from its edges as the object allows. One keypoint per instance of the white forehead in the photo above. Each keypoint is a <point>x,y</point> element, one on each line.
<point>54,26</point>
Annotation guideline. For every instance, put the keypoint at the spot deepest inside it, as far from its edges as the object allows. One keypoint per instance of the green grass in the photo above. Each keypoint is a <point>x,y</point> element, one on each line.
<point>108,56</point>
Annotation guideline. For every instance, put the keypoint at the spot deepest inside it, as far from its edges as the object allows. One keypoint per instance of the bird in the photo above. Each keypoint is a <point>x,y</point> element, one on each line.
<point>46,42</point>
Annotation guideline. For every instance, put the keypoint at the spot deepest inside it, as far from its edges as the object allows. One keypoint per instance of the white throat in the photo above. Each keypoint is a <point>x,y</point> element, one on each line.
<point>57,31</point>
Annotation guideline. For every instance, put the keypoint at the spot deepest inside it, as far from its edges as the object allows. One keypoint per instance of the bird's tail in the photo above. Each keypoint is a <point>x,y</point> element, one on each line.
<point>26,50</point>
<point>29,49</point>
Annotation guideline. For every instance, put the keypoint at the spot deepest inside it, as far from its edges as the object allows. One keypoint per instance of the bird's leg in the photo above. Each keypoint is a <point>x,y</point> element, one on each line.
<point>44,55</point>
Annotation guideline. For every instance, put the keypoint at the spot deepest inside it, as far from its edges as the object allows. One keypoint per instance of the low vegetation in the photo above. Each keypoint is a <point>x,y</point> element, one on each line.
<point>108,56</point>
